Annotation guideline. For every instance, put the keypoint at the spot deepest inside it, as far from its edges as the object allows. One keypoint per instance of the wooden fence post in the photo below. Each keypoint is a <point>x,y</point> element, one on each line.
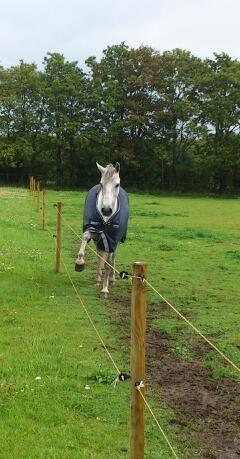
<point>31,183</point>
<point>38,195</point>
<point>34,187</point>
<point>43,209</point>
<point>138,336</point>
<point>58,236</point>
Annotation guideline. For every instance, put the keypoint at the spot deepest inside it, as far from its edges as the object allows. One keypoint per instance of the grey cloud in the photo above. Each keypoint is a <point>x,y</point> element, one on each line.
<point>78,29</point>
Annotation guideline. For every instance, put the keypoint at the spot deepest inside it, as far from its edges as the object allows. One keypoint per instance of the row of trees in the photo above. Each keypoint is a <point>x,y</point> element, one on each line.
<point>171,119</point>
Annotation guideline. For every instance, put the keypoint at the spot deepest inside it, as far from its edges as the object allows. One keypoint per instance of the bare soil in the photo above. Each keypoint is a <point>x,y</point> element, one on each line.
<point>206,409</point>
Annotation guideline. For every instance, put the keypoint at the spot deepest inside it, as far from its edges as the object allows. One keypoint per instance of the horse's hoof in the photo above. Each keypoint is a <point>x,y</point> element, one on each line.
<point>104,295</point>
<point>79,267</point>
<point>98,284</point>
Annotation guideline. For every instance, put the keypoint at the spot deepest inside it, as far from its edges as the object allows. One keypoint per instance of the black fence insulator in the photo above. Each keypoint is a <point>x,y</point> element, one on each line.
<point>141,277</point>
<point>138,384</point>
<point>124,275</point>
<point>123,376</point>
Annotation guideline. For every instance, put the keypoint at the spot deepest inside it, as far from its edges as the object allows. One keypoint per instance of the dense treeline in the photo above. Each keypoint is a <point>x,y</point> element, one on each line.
<point>171,119</point>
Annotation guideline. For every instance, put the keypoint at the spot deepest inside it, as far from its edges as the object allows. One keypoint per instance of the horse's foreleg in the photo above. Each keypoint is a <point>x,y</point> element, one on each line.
<point>79,263</point>
<point>105,290</point>
<point>100,267</point>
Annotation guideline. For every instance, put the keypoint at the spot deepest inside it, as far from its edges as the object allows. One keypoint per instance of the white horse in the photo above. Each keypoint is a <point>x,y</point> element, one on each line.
<point>105,221</point>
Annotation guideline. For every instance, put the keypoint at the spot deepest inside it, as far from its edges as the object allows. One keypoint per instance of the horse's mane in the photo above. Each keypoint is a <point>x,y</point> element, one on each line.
<point>110,170</point>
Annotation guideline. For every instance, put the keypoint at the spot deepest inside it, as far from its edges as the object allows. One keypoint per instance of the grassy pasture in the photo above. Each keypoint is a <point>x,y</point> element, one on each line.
<point>56,400</point>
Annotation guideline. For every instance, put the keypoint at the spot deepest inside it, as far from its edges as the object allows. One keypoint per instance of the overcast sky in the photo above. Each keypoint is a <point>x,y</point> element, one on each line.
<point>81,28</point>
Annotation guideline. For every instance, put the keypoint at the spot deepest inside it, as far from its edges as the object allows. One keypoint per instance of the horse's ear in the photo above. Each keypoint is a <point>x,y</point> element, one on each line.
<point>100,168</point>
<point>117,167</point>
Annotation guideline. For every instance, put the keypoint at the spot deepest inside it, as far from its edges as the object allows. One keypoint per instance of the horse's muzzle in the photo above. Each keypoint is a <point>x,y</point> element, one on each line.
<point>79,268</point>
<point>106,211</point>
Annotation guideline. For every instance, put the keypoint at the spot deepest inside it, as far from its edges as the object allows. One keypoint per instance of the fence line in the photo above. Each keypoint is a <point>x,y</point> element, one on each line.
<point>105,347</point>
<point>170,305</point>
<point>213,346</point>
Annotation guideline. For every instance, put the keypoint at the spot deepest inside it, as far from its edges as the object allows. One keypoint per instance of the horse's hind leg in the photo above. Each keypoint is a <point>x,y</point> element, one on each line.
<point>100,267</point>
<point>105,290</point>
<point>112,271</point>
<point>79,262</point>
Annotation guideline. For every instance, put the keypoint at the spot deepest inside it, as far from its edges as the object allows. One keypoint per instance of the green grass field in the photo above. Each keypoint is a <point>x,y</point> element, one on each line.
<point>56,397</point>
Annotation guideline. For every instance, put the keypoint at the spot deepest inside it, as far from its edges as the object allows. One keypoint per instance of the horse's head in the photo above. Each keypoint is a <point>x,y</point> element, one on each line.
<point>110,183</point>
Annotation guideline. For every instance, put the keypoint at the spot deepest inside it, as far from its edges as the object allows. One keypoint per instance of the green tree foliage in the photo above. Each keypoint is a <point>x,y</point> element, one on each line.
<point>20,115</point>
<point>170,118</point>
<point>64,112</point>
<point>220,114</point>
<point>177,112</point>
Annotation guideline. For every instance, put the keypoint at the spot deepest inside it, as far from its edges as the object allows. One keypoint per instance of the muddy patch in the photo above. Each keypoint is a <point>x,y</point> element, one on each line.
<point>195,397</point>
<point>206,410</point>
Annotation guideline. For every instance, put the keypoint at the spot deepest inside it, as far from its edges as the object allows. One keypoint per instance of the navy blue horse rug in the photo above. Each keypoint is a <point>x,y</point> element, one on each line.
<point>107,235</point>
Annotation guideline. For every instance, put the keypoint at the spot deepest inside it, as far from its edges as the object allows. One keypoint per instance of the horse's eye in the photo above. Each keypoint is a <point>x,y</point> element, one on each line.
<point>117,185</point>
